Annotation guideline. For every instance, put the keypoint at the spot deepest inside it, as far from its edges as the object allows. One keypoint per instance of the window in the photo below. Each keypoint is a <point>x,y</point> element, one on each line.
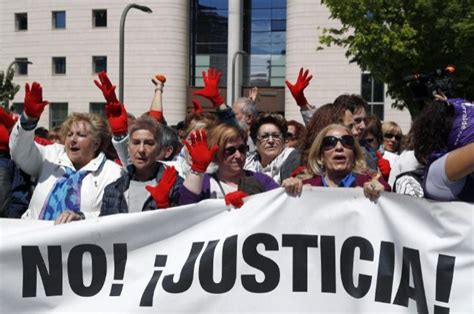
<point>57,113</point>
<point>97,108</point>
<point>59,19</point>
<point>59,65</point>
<point>21,21</point>
<point>21,66</point>
<point>99,18</point>
<point>373,91</point>
<point>99,64</point>
<point>17,107</point>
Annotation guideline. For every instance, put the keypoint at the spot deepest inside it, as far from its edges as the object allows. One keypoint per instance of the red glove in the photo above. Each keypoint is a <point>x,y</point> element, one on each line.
<point>157,115</point>
<point>383,165</point>
<point>42,141</point>
<point>108,90</point>
<point>6,119</point>
<point>117,116</point>
<point>199,151</point>
<point>197,106</point>
<point>211,87</point>
<point>298,171</point>
<point>297,90</point>
<point>235,198</point>
<point>4,137</point>
<point>161,191</point>
<point>34,104</point>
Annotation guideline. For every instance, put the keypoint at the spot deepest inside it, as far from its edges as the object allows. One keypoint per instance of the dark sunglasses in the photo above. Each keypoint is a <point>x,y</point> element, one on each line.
<point>329,142</point>
<point>390,136</point>
<point>370,140</point>
<point>290,136</point>
<point>229,151</point>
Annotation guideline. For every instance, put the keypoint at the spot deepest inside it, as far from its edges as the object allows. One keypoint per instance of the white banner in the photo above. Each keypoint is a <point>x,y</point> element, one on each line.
<point>330,250</point>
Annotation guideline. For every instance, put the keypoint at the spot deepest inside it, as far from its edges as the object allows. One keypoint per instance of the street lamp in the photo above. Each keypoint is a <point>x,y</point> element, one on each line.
<point>15,62</point>
<point>234,59</point>
<point>122,41</point>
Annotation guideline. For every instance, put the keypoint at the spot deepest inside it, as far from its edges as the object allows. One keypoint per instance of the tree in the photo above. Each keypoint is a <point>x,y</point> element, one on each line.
<point>392,39</point>
<point>8,89</point>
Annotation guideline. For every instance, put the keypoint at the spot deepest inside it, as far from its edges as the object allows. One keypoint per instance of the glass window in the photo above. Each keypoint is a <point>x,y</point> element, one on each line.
<point>99,64</point>
<point>373,91</point>
<point>21,66</point>
<point>97,108</point>
<point>59,65</point>
<point>21,21</point>
<point>59,19</point>
<point>265,40</point>
<point>99,18</point>
<point>208,39</point>
<point>57,113</point>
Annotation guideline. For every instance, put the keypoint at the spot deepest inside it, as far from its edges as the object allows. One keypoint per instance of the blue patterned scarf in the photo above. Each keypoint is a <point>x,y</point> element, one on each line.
<point>65,194</point>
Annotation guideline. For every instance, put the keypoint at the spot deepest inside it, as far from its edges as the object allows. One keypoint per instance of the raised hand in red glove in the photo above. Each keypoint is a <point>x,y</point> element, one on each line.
<point>297,90</point>
<point>197,106</point>
<point>161,191</point>
<point>108,90</point>
<point>7,119</point>
<point>117,116</point>
<point>235,198</point>
<point>211,87</point>
<point>383,165</point>
<point>34,103</point>
<point>199,150</point>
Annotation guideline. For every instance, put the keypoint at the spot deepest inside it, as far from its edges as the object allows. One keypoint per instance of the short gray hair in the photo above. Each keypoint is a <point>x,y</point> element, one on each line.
<point>248,106</point>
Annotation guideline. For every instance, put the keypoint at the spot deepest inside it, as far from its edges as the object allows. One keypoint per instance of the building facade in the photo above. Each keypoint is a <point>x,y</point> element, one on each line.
<point>253,42</point>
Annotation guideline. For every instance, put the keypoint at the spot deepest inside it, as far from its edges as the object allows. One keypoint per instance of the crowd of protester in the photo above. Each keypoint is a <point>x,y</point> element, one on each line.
<point>94,166</point>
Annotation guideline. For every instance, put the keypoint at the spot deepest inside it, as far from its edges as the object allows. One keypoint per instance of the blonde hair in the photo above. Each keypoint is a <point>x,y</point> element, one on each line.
<point>223,133</point>
<point>99,128</point>
<point>315,158</point>
<point>394,128</point>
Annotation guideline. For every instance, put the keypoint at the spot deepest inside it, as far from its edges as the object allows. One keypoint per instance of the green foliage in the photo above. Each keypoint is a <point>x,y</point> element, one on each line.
<point>392,39</point>
<point>8,89</point>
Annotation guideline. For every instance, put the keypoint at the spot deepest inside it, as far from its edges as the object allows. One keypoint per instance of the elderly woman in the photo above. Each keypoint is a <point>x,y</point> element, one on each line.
<point>227,143</point>
<point>71,177</point>
<point>336,160</point>
<point>147,184</point>
<point>271,156</point>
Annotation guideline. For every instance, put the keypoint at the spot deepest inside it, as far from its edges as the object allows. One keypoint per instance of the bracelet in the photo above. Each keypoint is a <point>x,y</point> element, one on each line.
<point>195,172</point>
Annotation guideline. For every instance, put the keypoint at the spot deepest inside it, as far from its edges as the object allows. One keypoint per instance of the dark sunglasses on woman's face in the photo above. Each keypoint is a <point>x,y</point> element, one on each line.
<point>329,142</point>
<point>390,136</point>
<point>229,151</point>
<point>370,140</point>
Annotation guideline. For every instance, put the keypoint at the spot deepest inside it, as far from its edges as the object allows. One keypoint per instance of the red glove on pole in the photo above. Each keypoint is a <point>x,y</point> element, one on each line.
<point>211,87</point>
<point>197,106</point>
<point>297,90</point>
<point>117,116</point>
<point>199,151</point>
<point>6,119</point>
<point>34,103</point>
<point>383,165</point>
<point>235,198</point>
<point>108,90</point>
<point>161,191</point>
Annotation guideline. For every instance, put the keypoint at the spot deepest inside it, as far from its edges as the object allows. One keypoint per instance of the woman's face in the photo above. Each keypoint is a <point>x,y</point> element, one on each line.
<point>391,141</point>
<point>371,141</point>
<point>80,147</point>
<point>143,151</point>
<point>270,141</point>
<point>338,152</point>
<point>233,157</point>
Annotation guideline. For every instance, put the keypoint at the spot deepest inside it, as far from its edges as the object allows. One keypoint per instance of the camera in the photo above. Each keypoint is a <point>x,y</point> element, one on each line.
<point>426,86</point>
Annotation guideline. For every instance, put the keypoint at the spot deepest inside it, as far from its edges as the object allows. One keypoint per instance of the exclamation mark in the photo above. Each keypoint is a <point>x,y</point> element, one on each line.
<point>444,281</point>
<point>149,292</point>
<point>120,261</point>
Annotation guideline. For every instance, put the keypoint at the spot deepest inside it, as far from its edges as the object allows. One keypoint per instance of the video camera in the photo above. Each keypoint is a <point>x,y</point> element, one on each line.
<point>426,86</point>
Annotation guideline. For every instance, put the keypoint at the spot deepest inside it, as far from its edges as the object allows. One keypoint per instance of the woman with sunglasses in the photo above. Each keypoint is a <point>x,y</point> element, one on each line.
<point>226,146</point>
<point>336,160</point>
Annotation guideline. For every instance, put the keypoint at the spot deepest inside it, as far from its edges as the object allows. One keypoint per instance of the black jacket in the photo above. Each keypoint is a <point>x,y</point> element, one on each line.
<point>113,201</point>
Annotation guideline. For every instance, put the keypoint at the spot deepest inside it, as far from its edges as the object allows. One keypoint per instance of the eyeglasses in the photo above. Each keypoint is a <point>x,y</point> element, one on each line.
<point>266,136</point>
<point>229,151</point>
<point>329,142</point>
<point>390,136</point>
